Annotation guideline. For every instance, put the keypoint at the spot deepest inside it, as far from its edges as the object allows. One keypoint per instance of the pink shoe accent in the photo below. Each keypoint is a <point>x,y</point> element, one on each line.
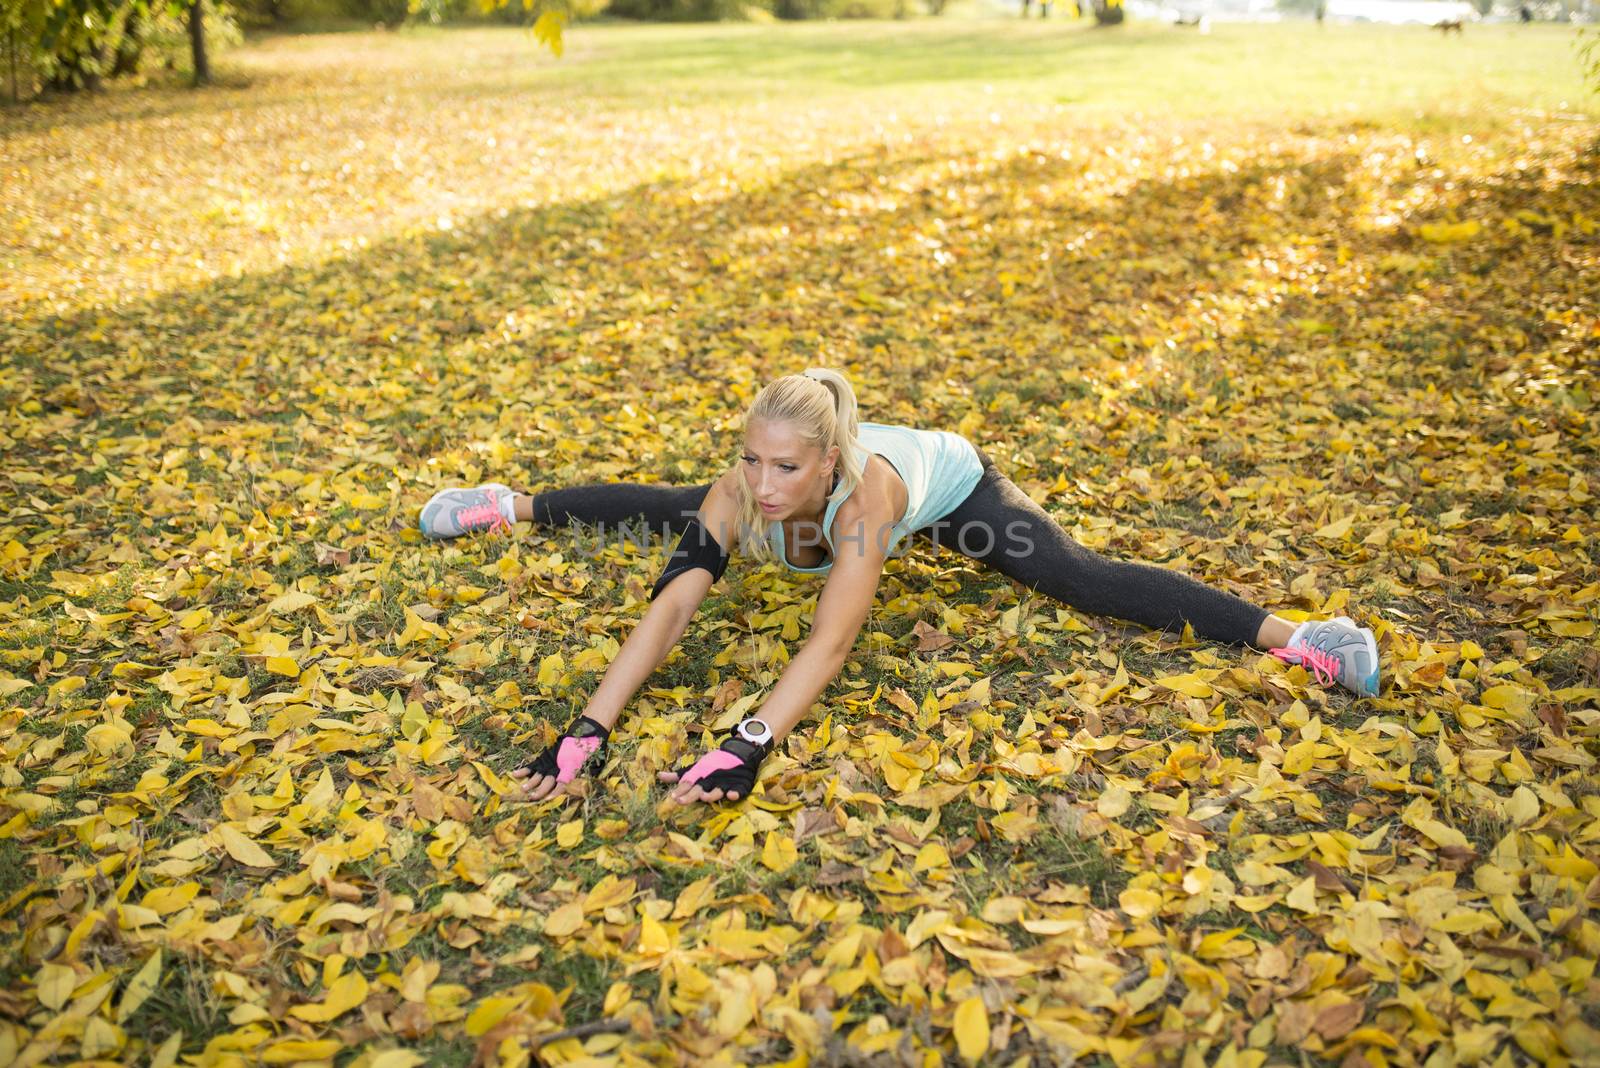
<point>716,760</point>
<point>1324,666</point>
<point>484,516</point>
<point>572,754</point>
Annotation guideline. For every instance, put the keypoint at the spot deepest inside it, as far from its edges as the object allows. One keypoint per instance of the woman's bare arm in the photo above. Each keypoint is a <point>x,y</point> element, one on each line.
<point>841,610</point>
<point>664,622</point>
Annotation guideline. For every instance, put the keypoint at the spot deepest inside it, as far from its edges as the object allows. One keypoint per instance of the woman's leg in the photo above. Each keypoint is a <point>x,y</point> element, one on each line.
<point>614,504</point>
<point>453,512</point>
<point>1001,526</point>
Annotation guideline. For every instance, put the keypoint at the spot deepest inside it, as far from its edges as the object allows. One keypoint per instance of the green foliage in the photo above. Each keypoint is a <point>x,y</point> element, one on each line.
<point>546,18</point>
<point>21,24</point>
<point>1108,12</point>
<point>388,12</point>
<point>1589,58</point>
<point>257,14</point>
<point>66,45</point>
<point>677,10</point>
<point>434,11</point>
<point>795,10</point>
<point>866,9</point>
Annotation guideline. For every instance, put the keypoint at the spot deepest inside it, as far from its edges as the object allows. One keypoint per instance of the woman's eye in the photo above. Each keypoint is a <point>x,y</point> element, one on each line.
<point>786,467</point>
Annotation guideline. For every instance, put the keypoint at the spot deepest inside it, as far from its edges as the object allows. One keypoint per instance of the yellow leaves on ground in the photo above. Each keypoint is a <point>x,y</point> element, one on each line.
<point>139,988</point>
<point>1335,531</point>
<point>654,939</point>
<point>286,666</point>
<point>54,985</point>
<point>1447,232</point>
<point>1191,685</point>
<point>550,669</point>
<point>291,602</point>
<point>1303,898</point>
<point>257,737</point>
<point>564,921</point>
<point>779,852</point>
<point>1114,802</point>
<point>242,849</point>
<point>1508,698</point>
<point>972,1029</point>
<point>108,739</point>
<point>346,993</point>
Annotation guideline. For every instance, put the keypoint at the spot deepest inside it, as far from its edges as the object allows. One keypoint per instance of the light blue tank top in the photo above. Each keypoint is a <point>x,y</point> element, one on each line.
<point>940,470</point>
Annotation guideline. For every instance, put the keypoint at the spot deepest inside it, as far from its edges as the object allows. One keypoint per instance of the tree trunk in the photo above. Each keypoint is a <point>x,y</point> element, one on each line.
<point>131,48</point>
<point>78,71</point>
<point>197,43</point>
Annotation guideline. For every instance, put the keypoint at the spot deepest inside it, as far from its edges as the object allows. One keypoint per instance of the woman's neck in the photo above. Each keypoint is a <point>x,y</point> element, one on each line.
<point>811,511</point>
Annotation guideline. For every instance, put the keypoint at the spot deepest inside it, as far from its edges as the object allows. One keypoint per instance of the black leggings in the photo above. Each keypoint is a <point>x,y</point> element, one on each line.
<point>998,525</point>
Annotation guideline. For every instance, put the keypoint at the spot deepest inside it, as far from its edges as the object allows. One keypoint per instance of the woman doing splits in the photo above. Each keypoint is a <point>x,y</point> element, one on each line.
<point>823,494</point>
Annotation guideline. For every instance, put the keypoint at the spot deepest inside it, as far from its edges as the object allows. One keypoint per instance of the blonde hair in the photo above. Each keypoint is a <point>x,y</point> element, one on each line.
<point>821,406</point>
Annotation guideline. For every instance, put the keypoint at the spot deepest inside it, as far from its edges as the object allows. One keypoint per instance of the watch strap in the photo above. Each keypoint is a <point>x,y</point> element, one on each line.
<point>745,750</point>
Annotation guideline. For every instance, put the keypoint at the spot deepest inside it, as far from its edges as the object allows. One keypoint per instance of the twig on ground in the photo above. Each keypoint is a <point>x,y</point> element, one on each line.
<point>594,1027</point>
<point>1131,980</point>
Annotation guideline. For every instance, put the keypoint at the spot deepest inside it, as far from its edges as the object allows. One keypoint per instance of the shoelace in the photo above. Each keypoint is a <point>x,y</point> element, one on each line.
<point>486,516</point>
<point>1324,666</point>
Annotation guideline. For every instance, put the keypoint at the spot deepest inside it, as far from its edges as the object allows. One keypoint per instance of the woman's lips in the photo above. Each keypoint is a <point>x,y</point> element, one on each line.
<point>769,508</point>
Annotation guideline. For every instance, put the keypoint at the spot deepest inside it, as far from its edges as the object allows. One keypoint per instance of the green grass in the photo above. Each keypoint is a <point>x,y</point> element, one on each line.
<point>1332,71</point>
<point>1491,76</point>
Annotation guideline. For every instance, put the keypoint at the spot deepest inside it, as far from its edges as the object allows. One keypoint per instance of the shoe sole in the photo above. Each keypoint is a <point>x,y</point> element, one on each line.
<point>1370,683</point>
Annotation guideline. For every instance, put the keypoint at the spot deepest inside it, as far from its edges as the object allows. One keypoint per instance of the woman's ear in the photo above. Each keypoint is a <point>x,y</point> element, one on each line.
<point>830,461</point>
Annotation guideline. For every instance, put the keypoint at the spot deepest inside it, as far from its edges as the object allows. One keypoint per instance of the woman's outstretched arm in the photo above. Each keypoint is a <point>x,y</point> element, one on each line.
<point>648,644</point>
<point>841,610</point>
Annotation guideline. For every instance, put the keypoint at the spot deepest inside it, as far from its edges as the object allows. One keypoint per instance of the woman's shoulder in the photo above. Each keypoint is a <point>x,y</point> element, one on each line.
<point>721,509</point>
<point>875,496</point>
<point>727,484</point>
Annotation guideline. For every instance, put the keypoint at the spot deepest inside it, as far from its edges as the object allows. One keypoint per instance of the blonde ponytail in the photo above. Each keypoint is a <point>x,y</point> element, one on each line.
<point>821,406</point>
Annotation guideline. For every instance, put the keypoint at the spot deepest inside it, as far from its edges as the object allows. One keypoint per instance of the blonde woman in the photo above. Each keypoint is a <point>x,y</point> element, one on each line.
<point>823,494</point>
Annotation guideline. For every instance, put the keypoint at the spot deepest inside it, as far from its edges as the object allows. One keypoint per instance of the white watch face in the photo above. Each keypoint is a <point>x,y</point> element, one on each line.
<point>755,731</point>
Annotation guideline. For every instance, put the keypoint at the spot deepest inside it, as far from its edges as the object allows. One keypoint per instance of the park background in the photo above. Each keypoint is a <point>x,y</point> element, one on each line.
<point>1304,310</point>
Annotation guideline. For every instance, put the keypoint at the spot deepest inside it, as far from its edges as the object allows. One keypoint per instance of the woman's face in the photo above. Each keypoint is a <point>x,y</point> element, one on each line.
<point>785,472</point>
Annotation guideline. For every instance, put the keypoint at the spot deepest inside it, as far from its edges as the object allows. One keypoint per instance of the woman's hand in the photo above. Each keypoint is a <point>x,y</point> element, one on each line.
<point>727,773</point>
<point>532,786</point>
<point>689,793</point>
<point>557,771</point>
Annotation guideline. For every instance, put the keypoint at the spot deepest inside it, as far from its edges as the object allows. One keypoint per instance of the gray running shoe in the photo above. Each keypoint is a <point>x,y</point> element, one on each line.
<point>451,513</point>
<point>1335,650</point>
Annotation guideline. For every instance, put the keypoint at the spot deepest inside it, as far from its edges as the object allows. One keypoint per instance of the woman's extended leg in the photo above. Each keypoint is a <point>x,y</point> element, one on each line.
<point>1001,526</point>
<point>661,509</point>
<point>615,504</point>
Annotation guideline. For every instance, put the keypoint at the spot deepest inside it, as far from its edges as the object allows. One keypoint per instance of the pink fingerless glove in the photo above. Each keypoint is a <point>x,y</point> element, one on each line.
<point>583,745</point>
<point>731,768</point>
